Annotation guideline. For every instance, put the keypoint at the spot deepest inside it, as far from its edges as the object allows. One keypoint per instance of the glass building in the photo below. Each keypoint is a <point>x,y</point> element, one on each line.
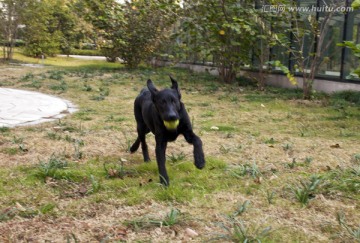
<point>337,62</point>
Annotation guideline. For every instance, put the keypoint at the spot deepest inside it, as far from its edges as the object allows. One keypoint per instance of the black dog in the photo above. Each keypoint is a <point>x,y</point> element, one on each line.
<point>162,113</point>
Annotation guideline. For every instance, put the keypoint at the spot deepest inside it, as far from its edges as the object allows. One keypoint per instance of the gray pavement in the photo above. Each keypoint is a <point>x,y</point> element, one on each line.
<point>100,58</point>
<point>20,107</point>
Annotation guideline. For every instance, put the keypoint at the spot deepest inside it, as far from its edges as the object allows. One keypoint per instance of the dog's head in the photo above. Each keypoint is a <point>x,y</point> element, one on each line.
<point>167,102</point>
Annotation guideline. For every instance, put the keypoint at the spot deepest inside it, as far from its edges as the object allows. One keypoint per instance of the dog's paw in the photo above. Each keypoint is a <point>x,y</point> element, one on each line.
<point>164,181</point>
<point>133,148</point>
<point>199,162</point>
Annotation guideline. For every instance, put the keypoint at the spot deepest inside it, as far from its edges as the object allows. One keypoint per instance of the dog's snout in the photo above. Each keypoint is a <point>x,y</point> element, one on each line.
<point>173,116</point>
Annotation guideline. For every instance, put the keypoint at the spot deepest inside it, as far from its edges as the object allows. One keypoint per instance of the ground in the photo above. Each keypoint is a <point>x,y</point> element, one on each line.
<point>279,169</point>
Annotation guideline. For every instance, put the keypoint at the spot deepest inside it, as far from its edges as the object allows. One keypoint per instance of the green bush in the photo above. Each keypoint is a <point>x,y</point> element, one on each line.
<point>347,95</point>
<point>48,46</point>
<point>17,43</point>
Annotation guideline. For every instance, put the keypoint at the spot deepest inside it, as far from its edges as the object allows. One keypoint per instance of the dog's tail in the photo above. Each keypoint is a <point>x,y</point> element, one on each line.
<point>135,146</point>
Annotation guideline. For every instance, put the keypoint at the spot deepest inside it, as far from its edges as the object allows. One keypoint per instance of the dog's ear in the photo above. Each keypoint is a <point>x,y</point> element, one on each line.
<point>152,88</point>
<point>175,86</point>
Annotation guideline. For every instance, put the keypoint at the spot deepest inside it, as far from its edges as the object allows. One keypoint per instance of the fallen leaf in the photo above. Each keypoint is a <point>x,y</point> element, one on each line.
<point>335,146</point>
<point>258,180</point>
<point>49,180</point>
<point>112,172</point>
<point>83,190</point>
<point>187,184</point>
<point>191,232</point>
<point>214,128</point>
<point>20,207</point>
<point>56,129</point>
<point>121,234</point>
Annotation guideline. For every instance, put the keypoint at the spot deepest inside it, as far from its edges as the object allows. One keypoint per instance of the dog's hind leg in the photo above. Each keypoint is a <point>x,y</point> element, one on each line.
<point>142,131</point>
<point>135,146</point>
<point>144,147</point>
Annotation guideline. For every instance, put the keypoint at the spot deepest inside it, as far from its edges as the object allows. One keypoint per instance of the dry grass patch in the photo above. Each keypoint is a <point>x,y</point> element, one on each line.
<point>74,178</point>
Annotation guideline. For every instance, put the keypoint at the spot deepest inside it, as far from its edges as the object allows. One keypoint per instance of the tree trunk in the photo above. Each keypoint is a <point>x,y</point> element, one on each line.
<point>307,88</point>
<point>10,51</point>
<point>261,81</point>
<point>227,74</point>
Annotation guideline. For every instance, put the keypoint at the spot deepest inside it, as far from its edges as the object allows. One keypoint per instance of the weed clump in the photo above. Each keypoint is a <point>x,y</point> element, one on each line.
<point>306,190</point>
<point>50,167</point>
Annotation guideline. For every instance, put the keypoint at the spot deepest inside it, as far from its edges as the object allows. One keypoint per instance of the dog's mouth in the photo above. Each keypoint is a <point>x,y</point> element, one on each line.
<point>171,125</point>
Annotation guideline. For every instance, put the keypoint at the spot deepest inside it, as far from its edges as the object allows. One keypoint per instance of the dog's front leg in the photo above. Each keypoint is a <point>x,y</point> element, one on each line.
<point>160,150</point>
<point>193,139</point>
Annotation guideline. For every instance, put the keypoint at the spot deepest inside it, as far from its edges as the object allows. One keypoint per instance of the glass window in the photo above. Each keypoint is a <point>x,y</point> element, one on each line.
<point>351,62</point>
<point>281,54</point>
<point>330,62</point>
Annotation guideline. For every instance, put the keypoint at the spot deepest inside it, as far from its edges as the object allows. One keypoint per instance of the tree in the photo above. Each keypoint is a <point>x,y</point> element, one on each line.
<point>83,32</point>
<point>107,18</point>
<point>268,27</point>
<point>147,27</point>
<point>11,16</point>
<point>50,26</point>
<point>132,31</point>
<point>222,29</point>
<point>40,33</point>
<point>310,41</point>
<point>66,21</point>
<point>53,26</point>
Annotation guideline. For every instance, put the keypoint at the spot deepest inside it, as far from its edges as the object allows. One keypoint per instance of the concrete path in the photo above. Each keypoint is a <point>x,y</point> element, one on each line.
<point>100,58</point>
<point>20,107</point>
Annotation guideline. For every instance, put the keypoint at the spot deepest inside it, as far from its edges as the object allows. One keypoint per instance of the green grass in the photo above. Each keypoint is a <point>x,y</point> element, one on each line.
<point>188,183</point>
<point>346,182</point>
<point>10,151</point>
<point>170,219</point>
<point>4,130</point>
<point>348,96</point>
<point>306,190</point>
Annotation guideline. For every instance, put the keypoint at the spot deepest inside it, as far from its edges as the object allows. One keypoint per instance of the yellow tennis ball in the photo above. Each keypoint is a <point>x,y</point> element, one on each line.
<point>171,125</point>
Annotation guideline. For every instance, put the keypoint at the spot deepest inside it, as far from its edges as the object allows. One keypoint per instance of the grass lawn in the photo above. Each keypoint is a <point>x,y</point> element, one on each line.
<point>279,169</point>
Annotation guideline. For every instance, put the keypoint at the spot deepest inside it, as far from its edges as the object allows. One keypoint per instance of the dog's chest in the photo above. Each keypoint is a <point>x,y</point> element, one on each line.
<point>171,136</point>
